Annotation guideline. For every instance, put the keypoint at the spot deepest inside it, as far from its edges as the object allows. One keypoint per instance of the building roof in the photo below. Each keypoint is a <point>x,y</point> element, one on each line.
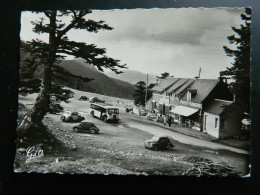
<point>203,87</point>
<point>179,86</point>
<point>184,87</point>
<point>164,84</point>
<point>217,106</point>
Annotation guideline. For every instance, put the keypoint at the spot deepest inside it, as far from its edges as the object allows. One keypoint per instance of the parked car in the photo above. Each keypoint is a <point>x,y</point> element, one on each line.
<point>159,143</point>
<point>54,99</point>
<point>142,112</point>
<point>69,116</point>
<point>95,99</point>
<point>83,97</point>
<point>86,127</point>
<point>57,98</point>
<point>151,116</point>
<point>55,108</point>
<point>127,109</point>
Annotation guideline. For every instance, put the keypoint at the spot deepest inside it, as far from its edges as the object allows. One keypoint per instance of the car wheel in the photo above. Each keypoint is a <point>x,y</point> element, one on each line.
<point>169,146</point>
<point>75,129</point>
<point>70,119</point>
<point>155,148</point>
<point>92,131</point>
<point>105,119</point>
<point>92,113</point>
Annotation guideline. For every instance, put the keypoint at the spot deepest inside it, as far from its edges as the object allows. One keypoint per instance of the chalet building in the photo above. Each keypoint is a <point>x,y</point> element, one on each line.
<point>186,100</point>
<point>221,121</point>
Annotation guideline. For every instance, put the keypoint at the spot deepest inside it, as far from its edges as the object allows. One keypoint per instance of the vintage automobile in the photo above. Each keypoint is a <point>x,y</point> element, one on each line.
<point>106,112</point>
<point>82,97</point>
<point>151,116</point>
<point>86,127</point>
<point>159,143</point>
<point>142,112</point>
<point>128,109</point>
<point>69,116</point>
<point>55,108</point>
<point>95,99</point>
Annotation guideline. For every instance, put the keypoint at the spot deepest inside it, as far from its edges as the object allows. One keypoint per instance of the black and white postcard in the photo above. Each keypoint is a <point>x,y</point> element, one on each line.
<point>135,92</point>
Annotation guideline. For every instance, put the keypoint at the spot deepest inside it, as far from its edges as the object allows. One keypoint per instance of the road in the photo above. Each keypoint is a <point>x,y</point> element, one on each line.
<point>129,120</point>
<point>150,127</point>
<point>121,146</point>
<point>131,132</point>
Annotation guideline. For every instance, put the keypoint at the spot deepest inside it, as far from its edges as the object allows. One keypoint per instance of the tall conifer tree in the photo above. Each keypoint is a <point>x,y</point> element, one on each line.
<point>49,54</point>
<point>239,72</point>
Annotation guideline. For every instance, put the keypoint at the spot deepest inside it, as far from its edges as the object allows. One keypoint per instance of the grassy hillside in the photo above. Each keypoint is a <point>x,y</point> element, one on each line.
<point>102,83</point>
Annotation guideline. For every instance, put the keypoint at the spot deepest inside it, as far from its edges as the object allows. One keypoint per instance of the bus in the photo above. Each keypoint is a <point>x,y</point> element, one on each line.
<point>106,112</point>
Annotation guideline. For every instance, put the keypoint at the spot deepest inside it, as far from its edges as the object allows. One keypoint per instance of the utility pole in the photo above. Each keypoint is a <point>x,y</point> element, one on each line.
<point>146,90</point>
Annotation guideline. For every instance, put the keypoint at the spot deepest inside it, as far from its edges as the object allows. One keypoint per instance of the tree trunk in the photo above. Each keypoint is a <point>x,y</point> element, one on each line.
<point>41,106</point>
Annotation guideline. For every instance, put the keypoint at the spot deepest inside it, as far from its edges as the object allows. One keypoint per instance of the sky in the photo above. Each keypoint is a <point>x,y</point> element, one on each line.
<point>153,41</point>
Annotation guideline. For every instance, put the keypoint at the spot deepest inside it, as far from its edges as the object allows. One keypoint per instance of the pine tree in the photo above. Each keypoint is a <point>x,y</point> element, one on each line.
<point>29,84</point>
<point>239,72</point>
<point>51,53</point>
<point>140,92</point>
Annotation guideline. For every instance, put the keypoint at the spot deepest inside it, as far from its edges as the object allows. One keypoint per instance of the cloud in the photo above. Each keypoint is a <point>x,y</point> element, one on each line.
<point>178,41</point>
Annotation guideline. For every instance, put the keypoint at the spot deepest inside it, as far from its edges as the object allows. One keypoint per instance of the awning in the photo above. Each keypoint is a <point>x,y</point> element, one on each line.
<point>183,110</point>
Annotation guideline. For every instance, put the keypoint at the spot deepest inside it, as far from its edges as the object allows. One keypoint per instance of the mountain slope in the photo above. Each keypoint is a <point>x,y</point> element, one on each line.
<point>132,76</point>
<point>102,83</point>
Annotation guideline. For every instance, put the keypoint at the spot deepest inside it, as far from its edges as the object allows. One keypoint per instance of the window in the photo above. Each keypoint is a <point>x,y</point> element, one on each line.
<point>156,104</point>
<point>222,123</point>
<point>205,122</point>
<point>216,122</point>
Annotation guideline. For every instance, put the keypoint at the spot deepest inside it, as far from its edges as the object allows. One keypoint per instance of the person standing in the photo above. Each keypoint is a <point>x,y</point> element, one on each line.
<point>164,120</point>
<point>157,117</point>
<point>170,120</point>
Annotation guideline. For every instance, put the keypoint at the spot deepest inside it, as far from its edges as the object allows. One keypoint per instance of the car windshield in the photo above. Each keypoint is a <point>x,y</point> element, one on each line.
<point>155,138</point>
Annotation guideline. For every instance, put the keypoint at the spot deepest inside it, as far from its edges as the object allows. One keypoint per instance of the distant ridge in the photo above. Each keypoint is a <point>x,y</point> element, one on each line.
<point>102,83</point>
<point>132,76</point>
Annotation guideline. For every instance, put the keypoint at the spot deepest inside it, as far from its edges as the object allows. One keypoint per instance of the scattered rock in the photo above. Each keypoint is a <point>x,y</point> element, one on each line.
<point>39,145</point>
<point>38,148</point>
<point>21,151</point>
<point>59,159</point>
